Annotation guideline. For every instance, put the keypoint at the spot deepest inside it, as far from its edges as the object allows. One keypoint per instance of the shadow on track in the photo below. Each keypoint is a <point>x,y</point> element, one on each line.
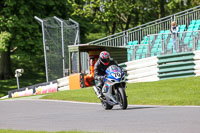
<point>135,108</point>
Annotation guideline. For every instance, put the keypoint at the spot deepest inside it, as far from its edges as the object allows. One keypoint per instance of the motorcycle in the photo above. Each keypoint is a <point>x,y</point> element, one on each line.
<point>113,89</point>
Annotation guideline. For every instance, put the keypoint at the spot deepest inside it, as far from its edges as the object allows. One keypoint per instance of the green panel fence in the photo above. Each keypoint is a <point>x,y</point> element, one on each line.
<point>176,65</point>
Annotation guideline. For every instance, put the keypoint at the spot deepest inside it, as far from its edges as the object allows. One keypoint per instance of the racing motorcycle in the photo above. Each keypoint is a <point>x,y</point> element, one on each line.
<point>113,89</point>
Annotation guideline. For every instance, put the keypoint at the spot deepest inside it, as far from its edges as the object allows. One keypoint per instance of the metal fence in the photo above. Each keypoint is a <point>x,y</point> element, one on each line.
<point>57,35</point>
<point>166,43</point>
<point>137,33</point>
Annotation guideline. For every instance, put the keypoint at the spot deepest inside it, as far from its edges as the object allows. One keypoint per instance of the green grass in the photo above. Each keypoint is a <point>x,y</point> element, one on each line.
<point>20,131</point>
<point>83,95</point>
<point>180,91</point>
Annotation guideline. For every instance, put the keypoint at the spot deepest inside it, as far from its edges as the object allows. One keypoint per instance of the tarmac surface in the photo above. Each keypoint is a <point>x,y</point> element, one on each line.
<point>52,115</point>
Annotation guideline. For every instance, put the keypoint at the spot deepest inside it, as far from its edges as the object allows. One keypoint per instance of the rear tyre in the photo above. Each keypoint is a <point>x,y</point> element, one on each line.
<point>122,98</point>
<point>106,106</point>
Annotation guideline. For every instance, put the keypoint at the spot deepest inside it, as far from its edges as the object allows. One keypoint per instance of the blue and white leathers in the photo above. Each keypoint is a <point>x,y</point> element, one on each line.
<point>114,86</point>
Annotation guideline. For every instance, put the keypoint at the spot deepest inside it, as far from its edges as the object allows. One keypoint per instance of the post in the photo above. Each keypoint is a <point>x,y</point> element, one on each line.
<point>163,45</point>
<point>127,37</point>
<point>148,45</point>
<point>18,73</point>
<point>124,38</point>
<point>148,48</point>
<point>44,44</point>
<point>134,53</point>
<point>70,62</point>
<point>17,82</point>
<point>193,42</point>
<point>177,43</point>
<point>78,31</point>
<point>63,49</point>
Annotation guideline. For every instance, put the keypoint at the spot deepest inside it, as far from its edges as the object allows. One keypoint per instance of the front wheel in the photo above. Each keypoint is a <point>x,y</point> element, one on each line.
<point>106,106</point>
<point>122,98</point>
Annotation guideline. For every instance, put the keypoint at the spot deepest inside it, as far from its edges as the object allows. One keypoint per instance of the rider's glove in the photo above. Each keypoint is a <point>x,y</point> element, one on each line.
<point>101,77</point>
<point>123,70</point>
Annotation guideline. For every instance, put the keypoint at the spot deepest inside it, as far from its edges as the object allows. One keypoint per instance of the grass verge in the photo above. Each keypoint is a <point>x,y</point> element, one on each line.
<point>180,91</point>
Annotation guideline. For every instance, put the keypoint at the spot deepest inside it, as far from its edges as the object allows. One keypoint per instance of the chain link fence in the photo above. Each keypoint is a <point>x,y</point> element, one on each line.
<point>57,35</point>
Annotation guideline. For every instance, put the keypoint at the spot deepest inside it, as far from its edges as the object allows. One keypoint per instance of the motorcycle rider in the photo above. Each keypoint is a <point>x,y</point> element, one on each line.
<point>100,67</point>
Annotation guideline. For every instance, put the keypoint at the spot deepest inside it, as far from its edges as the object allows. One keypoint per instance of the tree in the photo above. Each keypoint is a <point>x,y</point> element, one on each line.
<point>116,15</point>
<point>5,69</point>
<point>119,15</point>
<point>20,32</point>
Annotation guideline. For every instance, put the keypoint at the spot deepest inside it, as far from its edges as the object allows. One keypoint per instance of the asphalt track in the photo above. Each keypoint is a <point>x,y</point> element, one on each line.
<point>46,115</point>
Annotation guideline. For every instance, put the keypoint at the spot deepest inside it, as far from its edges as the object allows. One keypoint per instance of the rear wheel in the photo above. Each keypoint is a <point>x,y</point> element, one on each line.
<point>106,106</point>
<point>122,98</point>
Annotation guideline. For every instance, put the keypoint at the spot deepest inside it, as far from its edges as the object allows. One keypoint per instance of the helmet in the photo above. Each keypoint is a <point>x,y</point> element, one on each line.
<point>104,57</point>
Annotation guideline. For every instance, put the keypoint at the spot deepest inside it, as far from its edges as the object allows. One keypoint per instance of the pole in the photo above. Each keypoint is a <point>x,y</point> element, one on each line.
<point>17,81</point>
<point>78,31</point>
<point>44,44</point>
<point>63,50</point>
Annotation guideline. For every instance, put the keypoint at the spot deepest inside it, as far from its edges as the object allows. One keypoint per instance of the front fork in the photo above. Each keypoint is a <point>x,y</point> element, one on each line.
<point>116,91</point>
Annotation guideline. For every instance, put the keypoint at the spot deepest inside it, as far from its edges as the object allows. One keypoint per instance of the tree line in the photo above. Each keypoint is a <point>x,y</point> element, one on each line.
<point>21,36</point>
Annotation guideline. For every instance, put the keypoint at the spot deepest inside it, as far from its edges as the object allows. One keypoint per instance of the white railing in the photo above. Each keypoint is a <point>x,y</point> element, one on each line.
<point>164,44</point>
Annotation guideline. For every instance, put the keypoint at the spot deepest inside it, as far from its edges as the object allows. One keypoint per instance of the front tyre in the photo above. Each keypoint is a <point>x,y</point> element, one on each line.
<point>122,98</point>
<point>106,106</point>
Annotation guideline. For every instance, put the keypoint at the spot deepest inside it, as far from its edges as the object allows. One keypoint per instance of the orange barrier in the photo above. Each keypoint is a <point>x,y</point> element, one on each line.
<point>75,81</point>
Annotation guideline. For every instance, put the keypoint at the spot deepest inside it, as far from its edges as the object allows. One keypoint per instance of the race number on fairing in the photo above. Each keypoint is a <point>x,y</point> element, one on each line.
<point>116,75</point>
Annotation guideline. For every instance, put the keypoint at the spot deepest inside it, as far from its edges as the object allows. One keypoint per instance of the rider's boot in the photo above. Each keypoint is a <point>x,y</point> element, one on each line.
<point>100,92</point>
<point>97,91</point>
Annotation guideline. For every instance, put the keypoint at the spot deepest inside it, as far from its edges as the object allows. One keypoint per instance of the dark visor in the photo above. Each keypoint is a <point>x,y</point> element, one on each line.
<point>105,60</point>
